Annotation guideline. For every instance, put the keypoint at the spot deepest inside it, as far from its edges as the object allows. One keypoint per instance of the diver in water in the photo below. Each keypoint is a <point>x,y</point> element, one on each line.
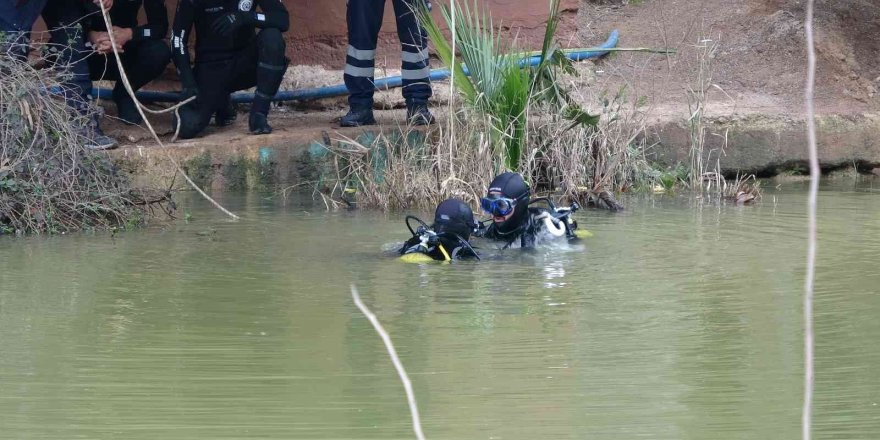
<point>515,223</point>
<point>447,239</point>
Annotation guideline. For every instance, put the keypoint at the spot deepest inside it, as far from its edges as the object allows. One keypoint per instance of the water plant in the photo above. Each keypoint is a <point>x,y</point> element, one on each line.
<point>497,81</point>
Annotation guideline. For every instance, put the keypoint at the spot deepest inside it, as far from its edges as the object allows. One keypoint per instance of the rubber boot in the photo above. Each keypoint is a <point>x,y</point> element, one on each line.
<point>357,118</point>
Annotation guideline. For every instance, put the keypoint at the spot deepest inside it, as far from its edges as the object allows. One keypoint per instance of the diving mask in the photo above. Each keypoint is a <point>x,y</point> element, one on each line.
<point>498,206</point>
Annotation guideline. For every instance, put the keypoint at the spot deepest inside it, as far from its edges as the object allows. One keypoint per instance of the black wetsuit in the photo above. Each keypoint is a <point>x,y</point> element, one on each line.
<point>145,56</point>
<point>231,61</point>
<point>525,235</point>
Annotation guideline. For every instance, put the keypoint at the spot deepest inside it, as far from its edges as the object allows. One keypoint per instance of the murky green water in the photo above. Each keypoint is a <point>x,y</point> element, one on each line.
<point>671,323</point>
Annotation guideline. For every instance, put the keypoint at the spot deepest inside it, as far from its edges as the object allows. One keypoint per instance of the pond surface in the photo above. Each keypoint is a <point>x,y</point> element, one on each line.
<point>672,322</point>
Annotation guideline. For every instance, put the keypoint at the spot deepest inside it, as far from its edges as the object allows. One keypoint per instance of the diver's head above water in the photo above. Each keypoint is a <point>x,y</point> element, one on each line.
<point>507,200</point>
<point>456,217</point>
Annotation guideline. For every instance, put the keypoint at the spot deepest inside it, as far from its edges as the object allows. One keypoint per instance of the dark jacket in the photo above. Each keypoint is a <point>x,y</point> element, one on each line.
<point>201,15</point>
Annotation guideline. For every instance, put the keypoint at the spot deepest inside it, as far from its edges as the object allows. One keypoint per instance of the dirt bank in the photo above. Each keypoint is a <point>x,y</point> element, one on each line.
<point>760,61</point>
<point>754,112</point>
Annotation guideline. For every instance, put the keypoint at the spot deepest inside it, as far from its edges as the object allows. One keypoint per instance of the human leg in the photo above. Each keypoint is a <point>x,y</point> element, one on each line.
<point>68,47</point>
<point>415,68</point>
<point>364,18</point>
<point>262,64</point>
<point>143,62</point>
<point>213,80</point>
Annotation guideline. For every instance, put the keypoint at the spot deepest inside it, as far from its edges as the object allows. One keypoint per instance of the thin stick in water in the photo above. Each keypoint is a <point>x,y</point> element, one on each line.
<point>407,385</point>
<point>811,248</point>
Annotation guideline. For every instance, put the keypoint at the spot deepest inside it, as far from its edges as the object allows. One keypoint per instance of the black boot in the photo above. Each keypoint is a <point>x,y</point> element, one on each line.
<point>419,115</point>
<point>356,118</point>
<point>226,116</point>
<point>259,124</point>
<point>126,109</point>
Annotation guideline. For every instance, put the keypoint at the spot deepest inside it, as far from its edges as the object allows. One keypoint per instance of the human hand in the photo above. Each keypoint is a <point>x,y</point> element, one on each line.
<point>96,37</point>
<point>122,36</point>
<point>225,25</point>
<point>100,41</point>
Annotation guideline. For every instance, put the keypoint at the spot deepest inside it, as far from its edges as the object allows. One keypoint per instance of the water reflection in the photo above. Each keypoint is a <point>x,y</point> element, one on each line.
<point>672,322</point>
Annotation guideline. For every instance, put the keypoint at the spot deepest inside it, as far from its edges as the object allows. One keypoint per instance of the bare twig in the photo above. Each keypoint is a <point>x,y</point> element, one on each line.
<point>49,182</point>
<point>407,385</point>
<point>811,248</point>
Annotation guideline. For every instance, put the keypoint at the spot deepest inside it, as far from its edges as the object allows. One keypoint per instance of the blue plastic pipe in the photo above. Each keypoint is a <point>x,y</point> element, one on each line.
<point>340,90</point>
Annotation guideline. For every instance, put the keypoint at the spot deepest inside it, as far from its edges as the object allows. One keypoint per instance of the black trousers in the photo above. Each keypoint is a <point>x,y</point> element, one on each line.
<point>143,62</point>
<point>364,23</point>
<point>262,64</point>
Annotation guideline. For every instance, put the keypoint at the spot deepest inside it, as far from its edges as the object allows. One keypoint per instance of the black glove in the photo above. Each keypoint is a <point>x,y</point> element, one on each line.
<point>225,25</point>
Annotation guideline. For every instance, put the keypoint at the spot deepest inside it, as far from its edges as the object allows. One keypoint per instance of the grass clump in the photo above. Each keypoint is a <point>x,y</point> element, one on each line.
<point>49,182</point>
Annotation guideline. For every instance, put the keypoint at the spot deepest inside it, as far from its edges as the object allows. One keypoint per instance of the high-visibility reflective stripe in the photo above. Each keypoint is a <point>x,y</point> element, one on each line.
<point>411,57</point>
<point>363,55</point>
<point>416,74</point>
<point>360,72</point>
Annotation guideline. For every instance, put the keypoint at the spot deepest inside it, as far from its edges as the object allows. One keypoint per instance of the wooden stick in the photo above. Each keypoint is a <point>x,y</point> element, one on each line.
<point>407,385</point>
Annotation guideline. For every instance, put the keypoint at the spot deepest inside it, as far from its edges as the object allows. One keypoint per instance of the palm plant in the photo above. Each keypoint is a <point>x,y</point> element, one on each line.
<point>497,80</point>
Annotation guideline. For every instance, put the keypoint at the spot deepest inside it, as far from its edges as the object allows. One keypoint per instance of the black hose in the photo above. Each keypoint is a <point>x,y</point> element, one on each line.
<point>544,199</point>
<point>466,243</point>
<point>461,241</point>
<point>408,226</point>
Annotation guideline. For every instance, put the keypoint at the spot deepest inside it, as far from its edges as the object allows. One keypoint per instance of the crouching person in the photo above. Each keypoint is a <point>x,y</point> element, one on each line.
<point>66,51</point>
<point>142,50</point>
<point>237,48</point>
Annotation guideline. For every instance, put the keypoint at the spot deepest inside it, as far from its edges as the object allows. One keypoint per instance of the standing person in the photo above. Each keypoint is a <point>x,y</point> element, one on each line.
<point>67,43</point>
<point>143,52</point>
<point>364,23</point>
<point>230,56</point>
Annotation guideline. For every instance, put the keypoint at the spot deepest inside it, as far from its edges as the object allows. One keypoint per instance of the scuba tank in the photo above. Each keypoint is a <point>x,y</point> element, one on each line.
<point>426,244</point>
<point>557,221</point>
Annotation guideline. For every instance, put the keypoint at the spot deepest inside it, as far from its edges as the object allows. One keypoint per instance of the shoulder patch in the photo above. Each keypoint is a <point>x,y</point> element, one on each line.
<point>245,5</point>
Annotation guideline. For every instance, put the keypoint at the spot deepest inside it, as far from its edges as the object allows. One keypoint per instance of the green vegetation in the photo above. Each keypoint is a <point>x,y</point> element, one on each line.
<point>499,86</point>
<point>507,116</point>
<point>49,183</point>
